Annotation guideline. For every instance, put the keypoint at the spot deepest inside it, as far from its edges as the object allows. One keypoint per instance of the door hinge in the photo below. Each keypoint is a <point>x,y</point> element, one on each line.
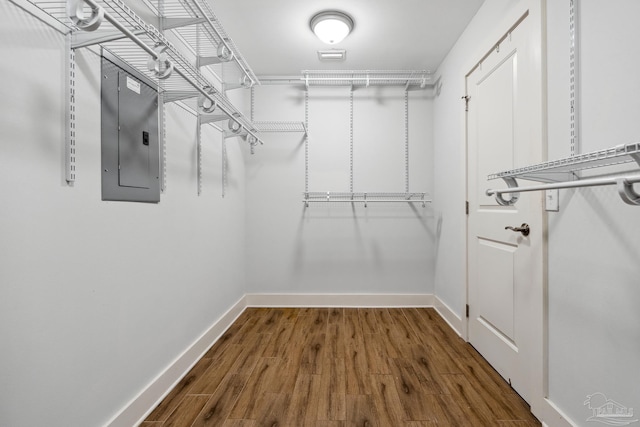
<point>466,102</point>
<point>467,311</point>
<point>466,207</point>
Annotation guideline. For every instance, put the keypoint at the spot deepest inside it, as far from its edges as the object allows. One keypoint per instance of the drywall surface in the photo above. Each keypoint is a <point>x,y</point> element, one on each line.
<point>98,298</point>
<point>340,247</point>
<point>594,241</point>
<point>493,19</point>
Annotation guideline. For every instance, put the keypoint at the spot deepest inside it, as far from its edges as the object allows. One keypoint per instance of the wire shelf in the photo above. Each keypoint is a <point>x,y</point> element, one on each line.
<point>266,126</point>
<point>563,169</point>
<point>560,174</point>
<point>362,197</point>
<point>204,31</point>
<point>130,52</point>
<point>406,78</point>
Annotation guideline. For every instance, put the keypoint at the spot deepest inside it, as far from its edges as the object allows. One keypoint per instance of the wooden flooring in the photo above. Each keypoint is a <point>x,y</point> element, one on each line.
<point>341,367</point>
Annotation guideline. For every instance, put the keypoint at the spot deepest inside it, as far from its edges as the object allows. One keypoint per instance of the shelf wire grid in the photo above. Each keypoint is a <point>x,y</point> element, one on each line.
<point>128,51</point>
<point>211,27</point>
<point>214,32</point>
<point>405,78</point>
<point>329,196</point>
<point>562,169</point>
<point>274,126</point>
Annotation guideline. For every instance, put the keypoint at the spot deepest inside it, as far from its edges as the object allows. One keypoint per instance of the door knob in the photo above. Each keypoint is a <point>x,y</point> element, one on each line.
<point>524,229</point>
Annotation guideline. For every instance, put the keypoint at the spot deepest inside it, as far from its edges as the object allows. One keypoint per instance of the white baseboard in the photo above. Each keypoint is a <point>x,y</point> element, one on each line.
<point>339,300</point>
<point>552,416</point>
<point>141,406</point>
<point>449,315</point>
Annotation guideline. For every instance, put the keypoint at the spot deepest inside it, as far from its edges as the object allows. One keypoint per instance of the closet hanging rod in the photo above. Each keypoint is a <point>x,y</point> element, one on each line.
<point>624,184</point>
<point>346,80</point>
<point>155,55</point>
<point>354,78</point>
<point>329,79</point>
<point>366,201</point>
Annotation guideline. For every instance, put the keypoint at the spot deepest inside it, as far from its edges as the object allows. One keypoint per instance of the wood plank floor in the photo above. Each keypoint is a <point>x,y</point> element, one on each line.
<point>332,367</point>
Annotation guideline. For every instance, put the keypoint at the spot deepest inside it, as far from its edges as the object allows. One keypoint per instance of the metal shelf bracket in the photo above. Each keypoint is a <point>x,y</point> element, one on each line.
<point>511,183</point>
<point>90,22</point>
<point>159,64</point>
<point>178,95</point>
<point>81,39</point>
<point>171,23</point>
<point>627,193</point>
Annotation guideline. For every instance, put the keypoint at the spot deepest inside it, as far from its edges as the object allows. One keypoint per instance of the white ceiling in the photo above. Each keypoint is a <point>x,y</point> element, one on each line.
<point>275,38</point>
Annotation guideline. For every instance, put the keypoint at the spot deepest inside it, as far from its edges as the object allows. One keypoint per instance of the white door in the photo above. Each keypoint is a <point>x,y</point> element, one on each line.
<point>504,266</point>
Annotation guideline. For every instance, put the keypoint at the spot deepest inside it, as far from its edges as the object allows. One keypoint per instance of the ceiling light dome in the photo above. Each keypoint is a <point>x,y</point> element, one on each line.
<point>331,26</point>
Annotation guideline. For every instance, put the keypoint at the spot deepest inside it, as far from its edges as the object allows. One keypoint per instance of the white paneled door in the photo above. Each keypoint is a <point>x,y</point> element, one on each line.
<point>504,266</point>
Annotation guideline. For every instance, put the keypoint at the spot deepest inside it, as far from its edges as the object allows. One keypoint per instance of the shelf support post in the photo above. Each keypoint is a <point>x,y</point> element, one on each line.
<point>306,141</point>
<point>162,121</point>
<point>406,140</point>
<point>351,139</point>
<point>70,94</point>
<point>199,153</point>
<point>574,77</point>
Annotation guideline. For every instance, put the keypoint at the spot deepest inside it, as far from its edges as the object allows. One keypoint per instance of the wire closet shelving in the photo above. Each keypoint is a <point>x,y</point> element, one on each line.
<point>366,78</point>
<point>365,198</point>
<point>564,173</point>
<point>274,126</point>
<point>134,41</point>
<point>409,79</point>
<point>196,23</point>
<point>115,27</point>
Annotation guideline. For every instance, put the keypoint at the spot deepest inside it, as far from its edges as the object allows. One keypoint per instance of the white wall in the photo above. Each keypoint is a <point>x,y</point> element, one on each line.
<point>594,241</point>
<point>337,248</point>
<point>98,298</point>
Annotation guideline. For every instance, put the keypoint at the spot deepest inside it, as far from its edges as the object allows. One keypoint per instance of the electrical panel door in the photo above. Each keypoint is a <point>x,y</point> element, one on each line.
<point>130,136</point>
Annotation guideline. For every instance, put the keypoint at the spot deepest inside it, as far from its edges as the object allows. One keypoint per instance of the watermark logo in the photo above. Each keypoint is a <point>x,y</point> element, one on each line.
<point>607,411</point>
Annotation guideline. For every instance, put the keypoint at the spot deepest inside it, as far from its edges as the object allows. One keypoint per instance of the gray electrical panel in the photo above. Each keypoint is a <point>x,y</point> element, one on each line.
<point>130,136</point>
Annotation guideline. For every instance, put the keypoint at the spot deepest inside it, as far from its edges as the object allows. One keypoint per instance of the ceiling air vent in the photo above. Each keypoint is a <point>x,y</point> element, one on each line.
<point>332,55</point>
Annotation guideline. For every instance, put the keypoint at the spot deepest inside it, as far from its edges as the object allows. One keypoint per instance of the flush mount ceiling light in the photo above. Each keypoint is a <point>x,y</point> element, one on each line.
<point>331,26</point>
